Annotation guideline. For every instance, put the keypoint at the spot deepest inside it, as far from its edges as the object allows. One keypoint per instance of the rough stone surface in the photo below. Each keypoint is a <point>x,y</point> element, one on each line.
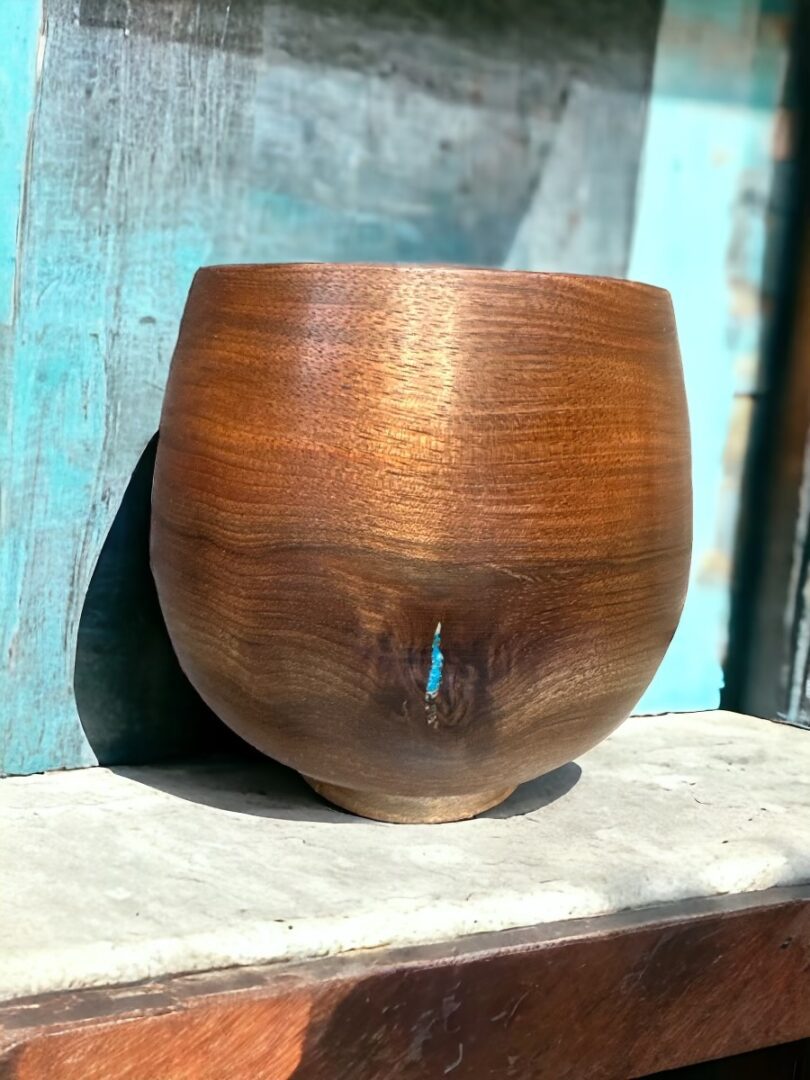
<point>113,875</point>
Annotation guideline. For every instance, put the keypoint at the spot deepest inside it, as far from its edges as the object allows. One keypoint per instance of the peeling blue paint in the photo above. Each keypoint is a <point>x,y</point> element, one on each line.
<point>19,32</point>
<point>99,243</point>
<point>436,665</point>
<point>708,138</point>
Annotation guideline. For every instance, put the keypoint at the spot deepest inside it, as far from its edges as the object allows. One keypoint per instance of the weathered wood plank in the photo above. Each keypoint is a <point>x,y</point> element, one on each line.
<point>172,134</point>
<point>111,233</point>
<point>610,998</point>
<point>770,657</point>
<point>700,231</point>
<point>20,34</point>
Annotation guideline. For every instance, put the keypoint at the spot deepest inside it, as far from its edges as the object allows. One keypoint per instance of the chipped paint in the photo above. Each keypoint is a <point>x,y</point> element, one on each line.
<point>108,205</point>
<point>22,36</point>
<point>112,203</point>
<point>701,215</point>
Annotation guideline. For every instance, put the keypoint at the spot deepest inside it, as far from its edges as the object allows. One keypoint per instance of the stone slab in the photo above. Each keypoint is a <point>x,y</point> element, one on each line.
<point>115,875</point>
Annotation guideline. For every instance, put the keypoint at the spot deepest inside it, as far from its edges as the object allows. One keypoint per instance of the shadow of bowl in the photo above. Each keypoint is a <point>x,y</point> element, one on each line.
<point>247,784</point>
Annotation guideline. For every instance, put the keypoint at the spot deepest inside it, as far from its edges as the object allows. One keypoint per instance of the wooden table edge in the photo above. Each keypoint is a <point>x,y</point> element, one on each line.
<point>619,995</point>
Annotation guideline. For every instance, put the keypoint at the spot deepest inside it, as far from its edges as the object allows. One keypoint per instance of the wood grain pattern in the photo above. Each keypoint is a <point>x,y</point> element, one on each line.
<point>597,999</point>
<point>788,1062</point>
<point>421,533</point>
<point>140,141</point>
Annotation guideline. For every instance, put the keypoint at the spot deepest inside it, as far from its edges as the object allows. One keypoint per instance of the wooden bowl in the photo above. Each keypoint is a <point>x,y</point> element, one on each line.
<point>421,533</point>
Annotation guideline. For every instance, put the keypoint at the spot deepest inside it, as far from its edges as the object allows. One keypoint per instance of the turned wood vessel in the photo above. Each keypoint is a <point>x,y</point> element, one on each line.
<point>421,533</point>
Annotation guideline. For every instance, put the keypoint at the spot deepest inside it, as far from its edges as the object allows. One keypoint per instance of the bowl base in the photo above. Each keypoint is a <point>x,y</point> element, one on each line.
<point>409,809</point>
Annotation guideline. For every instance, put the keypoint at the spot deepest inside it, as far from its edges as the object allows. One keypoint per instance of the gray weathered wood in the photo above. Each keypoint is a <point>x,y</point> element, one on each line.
<point>166,135</point>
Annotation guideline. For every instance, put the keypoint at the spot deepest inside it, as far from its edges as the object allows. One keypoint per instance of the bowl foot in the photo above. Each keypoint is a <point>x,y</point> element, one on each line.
<point>409,809</point>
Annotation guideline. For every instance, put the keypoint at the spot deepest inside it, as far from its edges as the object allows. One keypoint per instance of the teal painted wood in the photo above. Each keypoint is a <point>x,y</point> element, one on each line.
<point>20,25</point>
<point>703,204</point>
<point>160,137</point>
<point>119,214</point>
<point>169,135</point>
<point>25,732</point>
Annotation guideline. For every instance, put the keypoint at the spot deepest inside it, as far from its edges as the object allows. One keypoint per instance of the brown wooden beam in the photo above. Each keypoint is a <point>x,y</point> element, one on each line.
<point>614,997</point>
<point>767,662</point>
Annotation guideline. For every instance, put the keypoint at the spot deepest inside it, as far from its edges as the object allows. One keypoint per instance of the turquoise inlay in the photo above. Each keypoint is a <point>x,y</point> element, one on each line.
<point>436,664</point>
<point>103,271</point>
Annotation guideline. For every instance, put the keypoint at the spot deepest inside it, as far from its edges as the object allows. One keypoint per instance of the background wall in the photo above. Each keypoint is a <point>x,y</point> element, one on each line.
<point>141,140</point>
<point>708,227</point>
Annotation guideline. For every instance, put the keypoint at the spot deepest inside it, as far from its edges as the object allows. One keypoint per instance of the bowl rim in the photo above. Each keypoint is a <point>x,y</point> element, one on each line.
<point>435,270</point>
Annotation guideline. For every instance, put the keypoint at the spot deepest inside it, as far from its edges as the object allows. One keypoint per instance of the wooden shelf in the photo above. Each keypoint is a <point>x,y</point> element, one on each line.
<point>216,919</point>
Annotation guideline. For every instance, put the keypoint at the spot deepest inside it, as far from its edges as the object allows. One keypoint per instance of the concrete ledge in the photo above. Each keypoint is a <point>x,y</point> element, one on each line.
<point>114,875</point>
